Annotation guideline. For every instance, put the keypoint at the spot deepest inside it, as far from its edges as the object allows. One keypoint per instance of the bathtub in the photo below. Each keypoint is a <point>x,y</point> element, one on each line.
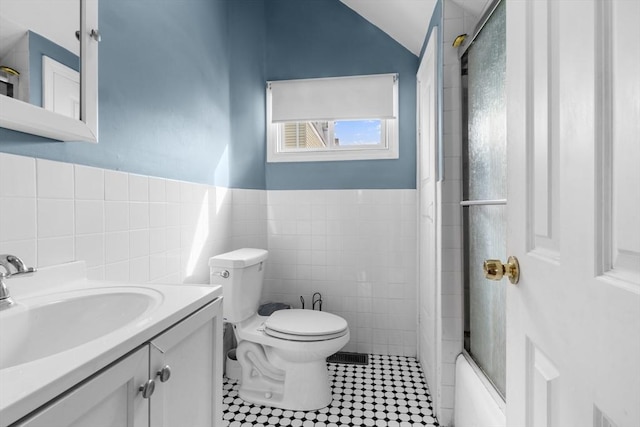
<point>474,405</point>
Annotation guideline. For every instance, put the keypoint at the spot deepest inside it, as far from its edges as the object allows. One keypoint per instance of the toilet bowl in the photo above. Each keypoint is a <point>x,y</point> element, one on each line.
<point>282,356</point>
<point>287,370</point>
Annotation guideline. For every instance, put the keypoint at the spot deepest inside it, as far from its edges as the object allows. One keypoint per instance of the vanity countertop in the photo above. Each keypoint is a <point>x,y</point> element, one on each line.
<point>27,386</point>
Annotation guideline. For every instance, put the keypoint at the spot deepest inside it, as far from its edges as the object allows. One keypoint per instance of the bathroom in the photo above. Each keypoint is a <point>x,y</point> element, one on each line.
<point>179,173</point>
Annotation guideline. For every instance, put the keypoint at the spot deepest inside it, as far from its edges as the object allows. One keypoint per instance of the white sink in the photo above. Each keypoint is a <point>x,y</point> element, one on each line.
<point>39,327</point>
<point>65,328</point>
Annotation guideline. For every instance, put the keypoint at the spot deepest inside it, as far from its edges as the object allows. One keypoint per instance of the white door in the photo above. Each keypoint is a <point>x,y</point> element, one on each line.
<point>428,309</point>
<point>60,88</point>
<point>573,320</point>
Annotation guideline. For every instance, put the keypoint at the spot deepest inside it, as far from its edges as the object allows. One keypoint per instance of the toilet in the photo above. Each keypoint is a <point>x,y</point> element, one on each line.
<point>282,356</point>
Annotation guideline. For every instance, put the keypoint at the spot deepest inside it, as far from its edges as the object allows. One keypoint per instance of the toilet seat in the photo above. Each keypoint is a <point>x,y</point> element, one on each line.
<point>305,325</point>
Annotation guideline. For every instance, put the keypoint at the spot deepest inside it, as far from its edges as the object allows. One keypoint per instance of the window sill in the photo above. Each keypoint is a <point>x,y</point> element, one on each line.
<point>332,156</point>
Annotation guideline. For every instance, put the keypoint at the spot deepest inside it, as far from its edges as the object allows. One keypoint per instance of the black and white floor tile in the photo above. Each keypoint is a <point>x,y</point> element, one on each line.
<point>389,391</point>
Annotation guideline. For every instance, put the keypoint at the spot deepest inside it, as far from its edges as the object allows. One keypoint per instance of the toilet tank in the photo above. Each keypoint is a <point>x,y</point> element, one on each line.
<point>241,274</point>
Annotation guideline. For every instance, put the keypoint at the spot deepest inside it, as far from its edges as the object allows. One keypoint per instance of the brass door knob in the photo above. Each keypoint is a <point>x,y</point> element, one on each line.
<point>494,269</point>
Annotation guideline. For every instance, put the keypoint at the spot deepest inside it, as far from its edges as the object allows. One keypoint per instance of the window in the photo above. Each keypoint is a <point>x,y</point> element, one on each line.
<point>340,118</point>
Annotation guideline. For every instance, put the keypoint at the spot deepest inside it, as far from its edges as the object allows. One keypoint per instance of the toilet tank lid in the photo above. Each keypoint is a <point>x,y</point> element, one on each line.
<point>239,258</point>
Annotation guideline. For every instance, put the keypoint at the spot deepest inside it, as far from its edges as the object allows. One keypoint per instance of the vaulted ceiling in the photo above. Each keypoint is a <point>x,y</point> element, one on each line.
<point>407,21</point>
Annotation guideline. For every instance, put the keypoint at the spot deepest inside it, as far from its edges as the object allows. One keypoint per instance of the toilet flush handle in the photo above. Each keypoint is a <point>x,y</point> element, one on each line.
<point>224,274</point>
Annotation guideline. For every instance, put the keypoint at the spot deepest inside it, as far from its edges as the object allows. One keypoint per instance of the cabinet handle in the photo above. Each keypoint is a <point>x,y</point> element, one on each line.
<point>164,374</point>
<point>147,388</point>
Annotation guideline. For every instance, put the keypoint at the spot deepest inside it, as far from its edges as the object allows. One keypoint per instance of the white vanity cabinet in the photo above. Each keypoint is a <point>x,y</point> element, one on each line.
<point>191,395</point>
<point>192,351</point>
<point>111,398</point>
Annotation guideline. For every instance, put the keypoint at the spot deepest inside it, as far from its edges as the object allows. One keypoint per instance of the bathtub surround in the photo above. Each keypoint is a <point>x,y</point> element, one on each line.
<point>456,21</point>
<point>448,296</point>
<point>476,399</point>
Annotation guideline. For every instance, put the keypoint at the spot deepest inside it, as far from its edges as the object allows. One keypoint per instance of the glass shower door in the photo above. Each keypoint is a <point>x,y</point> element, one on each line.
<point>484,195</point>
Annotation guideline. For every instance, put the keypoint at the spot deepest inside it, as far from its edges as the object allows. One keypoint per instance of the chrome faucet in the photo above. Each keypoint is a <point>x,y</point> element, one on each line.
<point>7,262</point>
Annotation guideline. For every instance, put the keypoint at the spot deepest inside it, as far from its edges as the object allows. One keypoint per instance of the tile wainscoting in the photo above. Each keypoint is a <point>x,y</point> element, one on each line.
<point>126,227</point>
<point>356,247</point>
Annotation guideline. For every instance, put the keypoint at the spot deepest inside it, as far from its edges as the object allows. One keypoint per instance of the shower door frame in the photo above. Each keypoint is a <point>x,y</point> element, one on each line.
<point>499,398</point>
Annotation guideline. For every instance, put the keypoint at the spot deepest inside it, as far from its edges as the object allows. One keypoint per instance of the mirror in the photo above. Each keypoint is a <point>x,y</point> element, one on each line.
<point>48,68</point>
<point>37,56</point>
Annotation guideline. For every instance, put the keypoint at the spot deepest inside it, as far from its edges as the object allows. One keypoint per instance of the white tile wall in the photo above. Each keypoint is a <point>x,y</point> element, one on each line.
<point>116,185</point>
<point>126,227</point>
<point>89,183</point>
<point>54,180</point>
<point>456,21</point>
<point>248,218</point>
<point>18,177</point>
<point>355,247</point>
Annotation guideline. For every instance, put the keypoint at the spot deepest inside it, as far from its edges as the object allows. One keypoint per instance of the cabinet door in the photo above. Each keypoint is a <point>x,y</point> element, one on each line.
<point>192,349</point>
<point>110,399</point>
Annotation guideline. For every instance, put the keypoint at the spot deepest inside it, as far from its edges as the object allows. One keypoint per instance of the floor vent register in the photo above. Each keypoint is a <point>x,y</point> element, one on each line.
<point>349,358</point>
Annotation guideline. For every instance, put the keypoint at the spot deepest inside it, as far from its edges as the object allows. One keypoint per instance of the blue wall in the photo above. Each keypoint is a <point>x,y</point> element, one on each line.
<point>247,64</point>
<point>182,91</point>
<point>434,23</point>
<point>322,38</point>
<point>39,46</point>
<point>164,93</point>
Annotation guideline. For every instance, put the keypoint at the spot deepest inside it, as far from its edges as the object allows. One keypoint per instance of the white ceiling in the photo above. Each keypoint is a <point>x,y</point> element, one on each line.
<point>407,21</point>
<point>474,7</point>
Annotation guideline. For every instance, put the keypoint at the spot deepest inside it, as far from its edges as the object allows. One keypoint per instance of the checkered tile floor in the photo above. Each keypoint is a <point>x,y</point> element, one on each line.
<point>389,391</point>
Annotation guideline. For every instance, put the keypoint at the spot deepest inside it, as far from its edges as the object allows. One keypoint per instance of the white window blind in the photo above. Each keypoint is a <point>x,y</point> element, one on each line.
<point>336,98</point>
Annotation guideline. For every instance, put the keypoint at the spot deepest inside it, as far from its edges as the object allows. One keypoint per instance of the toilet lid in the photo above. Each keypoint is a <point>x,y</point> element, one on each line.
<point>307,338</point>
<point>305,323</point>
